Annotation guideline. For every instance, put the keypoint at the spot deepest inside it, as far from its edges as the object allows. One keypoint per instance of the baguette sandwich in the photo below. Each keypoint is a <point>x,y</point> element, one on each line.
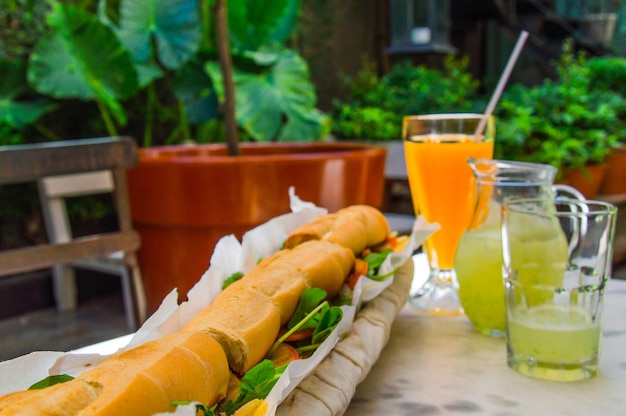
<point>141,381</point>
<point>356,227</point>
<point>224,342</point>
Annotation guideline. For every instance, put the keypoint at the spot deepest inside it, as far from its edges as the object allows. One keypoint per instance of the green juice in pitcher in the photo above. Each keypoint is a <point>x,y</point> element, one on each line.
<point>478,261</point>
<point>539,258</point>
<point>478,265</point>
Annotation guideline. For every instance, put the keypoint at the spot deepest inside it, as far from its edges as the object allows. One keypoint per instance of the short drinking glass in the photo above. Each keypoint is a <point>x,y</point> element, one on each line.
<point>557,258</point>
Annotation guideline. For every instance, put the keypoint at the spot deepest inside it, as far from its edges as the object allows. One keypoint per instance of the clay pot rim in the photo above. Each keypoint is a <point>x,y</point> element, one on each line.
<point>254,152</point>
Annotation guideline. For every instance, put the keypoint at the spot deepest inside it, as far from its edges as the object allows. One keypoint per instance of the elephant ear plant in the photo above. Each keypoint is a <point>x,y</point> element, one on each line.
<point>151,69</point>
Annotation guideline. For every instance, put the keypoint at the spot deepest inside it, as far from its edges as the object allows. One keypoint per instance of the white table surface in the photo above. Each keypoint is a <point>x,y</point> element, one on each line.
<point>438,365</point>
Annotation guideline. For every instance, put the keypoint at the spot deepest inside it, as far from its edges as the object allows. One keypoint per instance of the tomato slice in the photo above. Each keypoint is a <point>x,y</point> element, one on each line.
<point>284,354</point>
<point>300,335</point>
<point>360,269</point>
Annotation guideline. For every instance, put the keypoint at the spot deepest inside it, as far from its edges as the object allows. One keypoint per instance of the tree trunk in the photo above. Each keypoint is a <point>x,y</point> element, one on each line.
<point>226,65</point>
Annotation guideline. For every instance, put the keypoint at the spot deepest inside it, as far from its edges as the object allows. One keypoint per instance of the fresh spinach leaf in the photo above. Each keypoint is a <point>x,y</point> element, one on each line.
<point>374,261</point>
<point>50,381</point>
<point>328,320</point>
<point>255,384</point>
<point>309,300</point>
<point>231,279</point>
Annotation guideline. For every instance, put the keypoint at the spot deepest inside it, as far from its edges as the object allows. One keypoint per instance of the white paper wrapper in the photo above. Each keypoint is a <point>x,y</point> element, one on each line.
<point>229,256</point>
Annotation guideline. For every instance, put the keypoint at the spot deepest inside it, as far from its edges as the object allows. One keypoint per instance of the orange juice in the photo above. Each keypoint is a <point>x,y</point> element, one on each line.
<point>442,185</point>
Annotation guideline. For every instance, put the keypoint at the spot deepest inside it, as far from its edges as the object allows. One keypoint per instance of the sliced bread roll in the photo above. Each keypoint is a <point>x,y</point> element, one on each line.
<point>285,275</point>
<point>244,321</point>
<point>145,379</point>
<point>325,265</point>
<point>279,281</point>
<point>141,381</point>
<point>356,227</point>
<point>246,317</point>
<point>65,399</point>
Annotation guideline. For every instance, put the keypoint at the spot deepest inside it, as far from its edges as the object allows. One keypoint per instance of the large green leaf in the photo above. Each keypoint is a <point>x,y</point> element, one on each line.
<point>268,96</point>
<point>305,127</point>
<point>194,88</point>
<point>257,23</point>
<point>285,25</point>
<point>14,111</point>
<point>65,64</point>
<point>148,72</point>
<point>13,79</point>
<point>20,114</point>
<point>258,105</point>
<point>173,25</point>
<point>292,79</point>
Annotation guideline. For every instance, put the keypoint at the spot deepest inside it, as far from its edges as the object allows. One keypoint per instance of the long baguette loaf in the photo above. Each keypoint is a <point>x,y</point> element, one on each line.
<point>246,317</point>
<point>141,381</point>
<point>355,227</point>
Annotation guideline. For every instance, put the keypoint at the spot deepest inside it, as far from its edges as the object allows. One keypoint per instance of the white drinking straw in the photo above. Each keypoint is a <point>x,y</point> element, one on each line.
<point>503,80</point>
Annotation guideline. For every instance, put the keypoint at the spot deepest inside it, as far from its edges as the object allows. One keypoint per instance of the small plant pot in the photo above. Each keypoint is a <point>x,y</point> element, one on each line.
<point>587,180</point>
<point>615,178</point>
<point>185,198</point>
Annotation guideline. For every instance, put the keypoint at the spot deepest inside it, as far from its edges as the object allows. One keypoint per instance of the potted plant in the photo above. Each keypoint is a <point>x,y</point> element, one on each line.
<point>376,104</point>
<point>157,73</point>
<point>607,73</point>
<point>563,122</point>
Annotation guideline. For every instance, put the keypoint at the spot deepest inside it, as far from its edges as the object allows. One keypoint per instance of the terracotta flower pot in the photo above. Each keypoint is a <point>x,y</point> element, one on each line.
<point>185,198</point>
<point>615,178</point>
<point>587,180</point>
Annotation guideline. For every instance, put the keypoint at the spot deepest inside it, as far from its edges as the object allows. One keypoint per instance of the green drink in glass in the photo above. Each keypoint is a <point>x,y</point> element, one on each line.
<point>557,258</point>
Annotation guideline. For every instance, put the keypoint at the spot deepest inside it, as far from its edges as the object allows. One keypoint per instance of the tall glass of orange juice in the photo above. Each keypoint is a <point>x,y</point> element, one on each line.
<point>436,149</point>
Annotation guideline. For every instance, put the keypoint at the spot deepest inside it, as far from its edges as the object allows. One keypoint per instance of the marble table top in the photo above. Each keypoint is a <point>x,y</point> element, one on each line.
<point>436,365</point>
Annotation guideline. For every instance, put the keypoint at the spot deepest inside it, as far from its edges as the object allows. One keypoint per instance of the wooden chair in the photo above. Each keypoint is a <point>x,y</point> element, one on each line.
<point>72,168</point>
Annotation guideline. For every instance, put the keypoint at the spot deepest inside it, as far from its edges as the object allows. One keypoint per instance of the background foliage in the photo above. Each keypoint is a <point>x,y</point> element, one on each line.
<point>568,122</point>
<point>148,68</point>
<point>376,105</point>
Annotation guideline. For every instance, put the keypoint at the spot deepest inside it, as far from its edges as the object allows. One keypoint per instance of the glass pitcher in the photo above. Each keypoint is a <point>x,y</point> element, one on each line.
<point>478,260</point>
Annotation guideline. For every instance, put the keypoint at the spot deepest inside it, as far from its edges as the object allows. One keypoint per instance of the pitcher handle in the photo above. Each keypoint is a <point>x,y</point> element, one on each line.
<point>568,192</point>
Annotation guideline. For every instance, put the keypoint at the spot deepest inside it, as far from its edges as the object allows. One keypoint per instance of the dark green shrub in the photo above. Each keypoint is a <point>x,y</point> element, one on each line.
<point>376,105</point>
<point>565,122</point>
<point>608,73</point>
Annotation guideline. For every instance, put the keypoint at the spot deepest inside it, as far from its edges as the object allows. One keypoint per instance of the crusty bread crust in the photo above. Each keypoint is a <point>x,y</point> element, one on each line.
<point>246,317</point>
<point>313,230</point>
<point>355,227</point>
<point>245,322</point>
<point>374,225</point>
<point>146,379</point>
<point>325,265</point>
<point>65,399</point>
<point>141,381</point>
<point>280,282</point>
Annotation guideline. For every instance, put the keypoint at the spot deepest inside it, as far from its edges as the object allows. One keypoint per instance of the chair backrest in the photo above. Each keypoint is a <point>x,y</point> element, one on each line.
<point>105,160</point>
<point>54,190</point>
